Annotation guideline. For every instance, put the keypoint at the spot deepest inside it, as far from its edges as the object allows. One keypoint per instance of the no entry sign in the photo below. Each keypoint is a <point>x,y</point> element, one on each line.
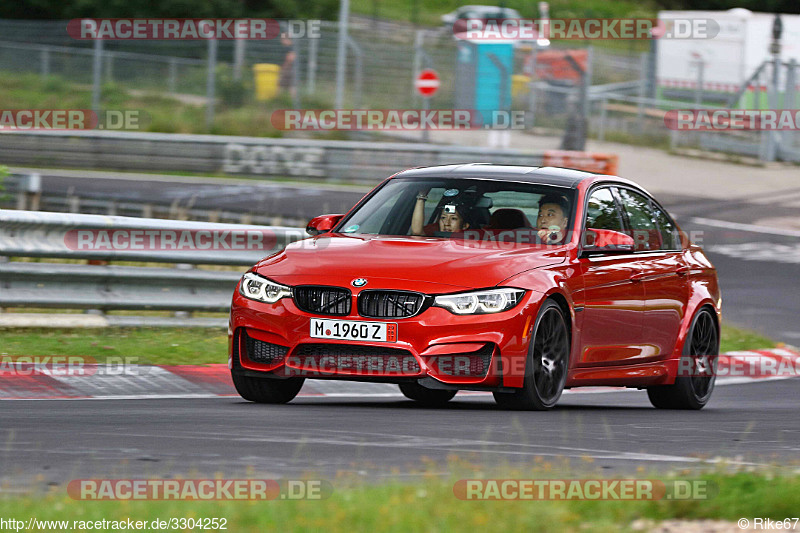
<point>427,83</point>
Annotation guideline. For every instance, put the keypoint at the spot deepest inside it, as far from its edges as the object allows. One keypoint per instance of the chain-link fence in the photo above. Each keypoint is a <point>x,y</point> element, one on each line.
<point>607,93</point>
<point>382,61</point>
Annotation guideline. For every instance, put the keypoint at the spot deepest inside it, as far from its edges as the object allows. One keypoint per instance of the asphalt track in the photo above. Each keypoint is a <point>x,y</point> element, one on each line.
<point>49,442</point>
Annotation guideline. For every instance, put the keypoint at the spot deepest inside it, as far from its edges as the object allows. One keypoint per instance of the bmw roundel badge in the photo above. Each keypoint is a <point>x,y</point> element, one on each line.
<point>358,282</point>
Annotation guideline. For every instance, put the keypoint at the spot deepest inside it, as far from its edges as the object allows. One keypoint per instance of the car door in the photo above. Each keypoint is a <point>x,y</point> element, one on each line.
<point>611,325</point>
<point>663,275</point>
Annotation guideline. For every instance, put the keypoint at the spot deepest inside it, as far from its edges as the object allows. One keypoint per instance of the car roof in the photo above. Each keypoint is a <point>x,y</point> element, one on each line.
<point>484,8</point>
<point>560,177</point>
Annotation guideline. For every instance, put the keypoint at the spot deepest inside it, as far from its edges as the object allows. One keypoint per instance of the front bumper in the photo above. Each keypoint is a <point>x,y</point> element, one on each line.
<point>477,351</point>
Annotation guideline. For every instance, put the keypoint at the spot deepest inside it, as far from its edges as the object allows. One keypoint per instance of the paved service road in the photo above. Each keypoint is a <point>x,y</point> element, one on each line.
<point>55,441</point>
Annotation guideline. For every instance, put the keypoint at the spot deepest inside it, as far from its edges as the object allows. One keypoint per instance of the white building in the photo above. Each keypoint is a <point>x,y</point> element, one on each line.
<point>729,58</point>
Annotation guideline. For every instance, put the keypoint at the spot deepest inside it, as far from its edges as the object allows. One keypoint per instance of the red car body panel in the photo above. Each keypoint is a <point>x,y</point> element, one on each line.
<point>417,263</point>
<point>629,314</point>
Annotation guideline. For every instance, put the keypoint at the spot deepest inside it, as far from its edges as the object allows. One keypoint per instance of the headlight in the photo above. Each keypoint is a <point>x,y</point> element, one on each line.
<point>259,288</point>
<point>480,302</point>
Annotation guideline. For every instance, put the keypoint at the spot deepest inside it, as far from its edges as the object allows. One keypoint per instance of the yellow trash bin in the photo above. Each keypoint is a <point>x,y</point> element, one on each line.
<point>267,76</point>
<point>519,84</point>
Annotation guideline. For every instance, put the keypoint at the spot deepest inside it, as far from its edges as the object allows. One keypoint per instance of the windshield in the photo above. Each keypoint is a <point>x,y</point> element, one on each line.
<point>466,209</point>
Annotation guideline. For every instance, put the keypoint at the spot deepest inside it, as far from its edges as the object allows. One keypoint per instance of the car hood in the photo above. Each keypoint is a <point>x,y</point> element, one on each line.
<point>411,263</point>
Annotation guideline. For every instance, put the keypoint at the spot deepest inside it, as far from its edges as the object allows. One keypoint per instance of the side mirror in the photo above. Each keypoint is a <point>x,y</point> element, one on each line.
<point>322,224</point>
<point>606,241</point>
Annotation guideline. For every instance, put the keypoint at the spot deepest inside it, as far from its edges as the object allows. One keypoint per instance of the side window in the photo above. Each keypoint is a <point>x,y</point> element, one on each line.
<point>642,218</point>
<point>670,238</point>
<point>602,212</point>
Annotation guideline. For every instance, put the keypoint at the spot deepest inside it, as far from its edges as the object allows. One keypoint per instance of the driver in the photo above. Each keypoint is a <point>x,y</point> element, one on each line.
<point>552,219</point>
<point>453,217</point>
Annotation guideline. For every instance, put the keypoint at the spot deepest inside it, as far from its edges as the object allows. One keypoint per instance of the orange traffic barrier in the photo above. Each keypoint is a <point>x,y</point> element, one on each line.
<point>588,161</point>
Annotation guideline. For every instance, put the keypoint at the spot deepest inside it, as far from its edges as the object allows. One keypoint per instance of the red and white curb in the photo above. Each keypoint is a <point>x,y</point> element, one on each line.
<point>196,381</point>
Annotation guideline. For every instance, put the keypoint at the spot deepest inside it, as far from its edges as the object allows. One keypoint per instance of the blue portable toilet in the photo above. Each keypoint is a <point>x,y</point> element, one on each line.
<point>483,76</point>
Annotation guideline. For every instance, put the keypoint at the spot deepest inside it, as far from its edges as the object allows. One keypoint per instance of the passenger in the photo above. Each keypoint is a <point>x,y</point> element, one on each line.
<point>552,219</point>
<point>453,218</point>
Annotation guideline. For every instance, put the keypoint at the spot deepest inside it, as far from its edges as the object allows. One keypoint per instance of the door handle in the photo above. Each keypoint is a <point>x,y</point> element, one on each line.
<point>638,277</point>
<point>682,270</point>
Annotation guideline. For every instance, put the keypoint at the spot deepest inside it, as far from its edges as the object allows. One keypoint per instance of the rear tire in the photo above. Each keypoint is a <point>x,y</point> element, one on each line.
<point>265,390</point>
<point>693,391</point>
<point>547,364</point>
<point>425,396</point>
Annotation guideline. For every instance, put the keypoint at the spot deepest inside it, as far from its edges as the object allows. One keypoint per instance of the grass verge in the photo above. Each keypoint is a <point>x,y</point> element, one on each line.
<point>163,113</point>
<point>430,505</point>
<point>198,345</point>
<point>184,346</point>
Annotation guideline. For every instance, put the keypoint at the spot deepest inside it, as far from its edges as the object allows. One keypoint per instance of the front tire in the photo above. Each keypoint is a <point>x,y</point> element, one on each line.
<point>265,390</point>
<point>547,364</point>
<point>425,396</point>
<point>693,391</point>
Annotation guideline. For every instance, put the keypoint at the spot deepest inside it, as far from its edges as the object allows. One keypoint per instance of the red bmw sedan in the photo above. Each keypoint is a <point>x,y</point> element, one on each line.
<point>521,281</point>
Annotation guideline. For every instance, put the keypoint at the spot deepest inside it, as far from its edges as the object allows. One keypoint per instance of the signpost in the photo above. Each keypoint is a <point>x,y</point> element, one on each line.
<point>427,83</point>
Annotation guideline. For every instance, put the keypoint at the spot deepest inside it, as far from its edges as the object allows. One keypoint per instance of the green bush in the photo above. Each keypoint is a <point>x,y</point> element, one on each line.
<point>232,93</point>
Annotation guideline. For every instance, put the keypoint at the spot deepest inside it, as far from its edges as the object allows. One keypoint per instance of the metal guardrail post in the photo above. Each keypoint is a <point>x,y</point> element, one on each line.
<point>30,192</point>
<point>210,81</point>
<point>769,139</point>
<point>45,58</point>
<point>698,93</point>
<point>359,74</point>
<point>416,62</point>
<point>109,67</point>
<point>673,139</point>
<point>238,58</point>
<point>649,76</point>
<point>790,102</point>
<point>341,52</point>
<point>601,134</point>
<point>311,76</point>
<point>295,92</point>
<point>172,78</point>
<point>531,119</point>
<point>74,204</point>
<point>642,91</point>
<point>789,94</point>
<point>97,67</point>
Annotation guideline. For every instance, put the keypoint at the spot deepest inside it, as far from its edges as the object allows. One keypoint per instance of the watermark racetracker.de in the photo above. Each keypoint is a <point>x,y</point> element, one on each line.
<point>71,366</point>
<point>396,119</point>
<point>188,240</point>
<point>199,489</point>
<point>191,28</point>
<point>520,29</point>
<point>73,119</point>
<point>733,119</point>
<point>584,489</point>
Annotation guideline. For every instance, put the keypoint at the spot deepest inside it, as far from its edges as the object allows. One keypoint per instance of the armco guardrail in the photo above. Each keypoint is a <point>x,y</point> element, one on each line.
<point>42,234</point>
<point>352,161</point>
<point>103,287</point>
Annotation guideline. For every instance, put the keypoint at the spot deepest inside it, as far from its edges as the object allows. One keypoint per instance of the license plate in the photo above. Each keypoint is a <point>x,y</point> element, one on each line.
<point>353,330</point>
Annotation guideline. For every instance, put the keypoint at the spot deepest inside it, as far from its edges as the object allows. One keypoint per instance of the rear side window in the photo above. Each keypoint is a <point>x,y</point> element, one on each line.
<point>670,239</point>
<point>642,219</point>
<point>602,212</point>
